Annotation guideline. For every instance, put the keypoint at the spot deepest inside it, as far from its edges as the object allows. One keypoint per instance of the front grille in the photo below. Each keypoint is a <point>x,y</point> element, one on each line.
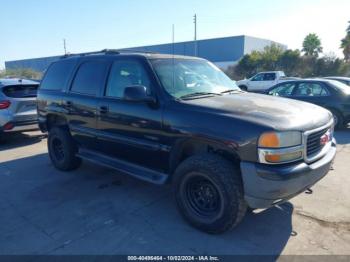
<point>314,142</point>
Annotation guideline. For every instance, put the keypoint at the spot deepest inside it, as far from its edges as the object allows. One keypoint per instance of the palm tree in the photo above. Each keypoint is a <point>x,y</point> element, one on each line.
<point>312,45</point>
<point>345,44</point>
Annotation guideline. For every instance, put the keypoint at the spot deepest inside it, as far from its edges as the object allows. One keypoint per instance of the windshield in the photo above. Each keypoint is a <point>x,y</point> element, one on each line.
<point>341,86</point>
<point>192,77</point>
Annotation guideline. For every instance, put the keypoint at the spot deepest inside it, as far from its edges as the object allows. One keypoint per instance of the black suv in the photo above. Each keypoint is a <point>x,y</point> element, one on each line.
<point>180,120</point>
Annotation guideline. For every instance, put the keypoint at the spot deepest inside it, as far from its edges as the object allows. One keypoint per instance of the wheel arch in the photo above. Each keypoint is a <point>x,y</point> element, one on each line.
<point>55,120</point>
<point>188,147</point>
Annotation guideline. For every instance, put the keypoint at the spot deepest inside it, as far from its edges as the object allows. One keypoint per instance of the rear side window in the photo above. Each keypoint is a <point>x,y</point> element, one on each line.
<point>269,77</point>
<point>310,89</point>
<point>90,78</point>
<point>20,91</point>
<point>57,75</point>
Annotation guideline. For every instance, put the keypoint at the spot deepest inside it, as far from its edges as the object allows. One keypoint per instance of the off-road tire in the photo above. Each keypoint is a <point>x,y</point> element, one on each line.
<point>226,178</point>
<point>64,158</point>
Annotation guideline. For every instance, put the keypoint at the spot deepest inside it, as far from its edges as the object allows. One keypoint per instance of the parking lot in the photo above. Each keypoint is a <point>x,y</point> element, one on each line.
<point>94,210</point>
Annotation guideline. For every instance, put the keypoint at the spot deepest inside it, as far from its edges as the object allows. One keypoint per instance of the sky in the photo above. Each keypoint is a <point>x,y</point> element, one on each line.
<point>36,28</point>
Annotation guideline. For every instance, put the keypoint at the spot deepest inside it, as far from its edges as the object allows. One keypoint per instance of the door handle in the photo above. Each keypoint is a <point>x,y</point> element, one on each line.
<point>103,109</point>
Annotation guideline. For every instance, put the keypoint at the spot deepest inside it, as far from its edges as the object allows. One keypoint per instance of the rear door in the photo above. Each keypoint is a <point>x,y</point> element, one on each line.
<point>312,92</point>
<point>268,81</point>
<point>81,102</point>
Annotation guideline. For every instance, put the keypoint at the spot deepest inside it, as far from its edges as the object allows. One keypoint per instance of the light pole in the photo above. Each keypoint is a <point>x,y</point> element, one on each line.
<point>195,35</point>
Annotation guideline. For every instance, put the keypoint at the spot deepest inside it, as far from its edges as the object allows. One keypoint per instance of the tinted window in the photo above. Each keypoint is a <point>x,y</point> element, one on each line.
<point>258,77</point>
<point>269,77</point>
<point>283,90</point>
<point>310,89</point>
<point>90,78</point>
<point>126,73</point>
<point>20,91</point>
<point>57,75</point>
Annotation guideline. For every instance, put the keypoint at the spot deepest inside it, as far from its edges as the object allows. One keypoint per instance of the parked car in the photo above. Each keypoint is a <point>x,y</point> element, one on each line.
<point>330,94</point>
<point>343,79</point>
<point>181,120</point>
<point>262,81</point>
<point>18,105</point>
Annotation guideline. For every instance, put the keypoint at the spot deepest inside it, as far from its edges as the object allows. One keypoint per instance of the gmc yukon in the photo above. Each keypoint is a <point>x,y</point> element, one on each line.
<point>180,120</point>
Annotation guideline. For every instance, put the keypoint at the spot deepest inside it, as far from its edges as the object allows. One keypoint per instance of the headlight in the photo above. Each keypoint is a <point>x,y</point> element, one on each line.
<point>280,147</point>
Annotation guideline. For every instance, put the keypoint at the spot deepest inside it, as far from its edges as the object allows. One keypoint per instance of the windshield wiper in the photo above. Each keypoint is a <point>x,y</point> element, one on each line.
<point>231,91</point>
<point>198,94</point>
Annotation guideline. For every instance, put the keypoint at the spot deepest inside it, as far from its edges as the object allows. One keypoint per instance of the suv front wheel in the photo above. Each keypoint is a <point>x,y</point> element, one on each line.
<point>209,193</point>
<point>62,149</point>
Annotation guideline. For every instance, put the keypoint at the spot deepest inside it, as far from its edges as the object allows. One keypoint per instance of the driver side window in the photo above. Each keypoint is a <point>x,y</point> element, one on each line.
<point>125,73</point>
<point>283,90</point>
<point>258,77</point>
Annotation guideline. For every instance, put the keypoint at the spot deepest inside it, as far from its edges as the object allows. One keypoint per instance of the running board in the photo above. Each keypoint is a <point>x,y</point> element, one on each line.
<point>137,171</point>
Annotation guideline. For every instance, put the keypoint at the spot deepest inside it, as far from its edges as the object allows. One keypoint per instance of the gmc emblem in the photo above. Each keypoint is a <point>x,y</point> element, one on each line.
<point>325,139</point>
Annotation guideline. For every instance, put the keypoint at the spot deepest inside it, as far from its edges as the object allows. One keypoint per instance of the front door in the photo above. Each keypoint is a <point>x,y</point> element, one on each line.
<point>131,131</point>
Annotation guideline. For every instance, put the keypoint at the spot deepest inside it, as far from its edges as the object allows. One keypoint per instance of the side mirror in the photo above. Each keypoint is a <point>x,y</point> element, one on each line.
<point>138,93</point>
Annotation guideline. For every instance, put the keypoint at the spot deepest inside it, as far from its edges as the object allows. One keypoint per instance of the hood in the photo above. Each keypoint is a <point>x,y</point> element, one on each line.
<point>275,112</point>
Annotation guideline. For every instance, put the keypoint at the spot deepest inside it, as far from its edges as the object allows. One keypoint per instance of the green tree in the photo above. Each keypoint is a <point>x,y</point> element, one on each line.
<point>21,73</point>
<point>312,45</point>
<point>345,44</point>
<point>290,61</point>
<point>270,57</point>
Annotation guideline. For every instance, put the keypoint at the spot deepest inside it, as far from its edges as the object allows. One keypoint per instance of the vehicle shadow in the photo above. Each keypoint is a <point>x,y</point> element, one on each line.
<point>9,141</point>
<point>95,210</point>
<point>343,136</point>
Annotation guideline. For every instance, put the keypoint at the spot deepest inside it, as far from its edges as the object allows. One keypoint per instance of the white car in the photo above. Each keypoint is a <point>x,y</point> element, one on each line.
<point>262,81</point>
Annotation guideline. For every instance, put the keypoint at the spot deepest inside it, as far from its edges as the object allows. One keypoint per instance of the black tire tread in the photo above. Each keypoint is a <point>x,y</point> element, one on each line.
<point>225,174</point>
<point>72,161</point>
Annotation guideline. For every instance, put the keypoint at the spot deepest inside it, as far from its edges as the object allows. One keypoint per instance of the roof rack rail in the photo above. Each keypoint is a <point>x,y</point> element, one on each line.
<point>104,51</point>
<point>108,52</point>
<point>134,51</point>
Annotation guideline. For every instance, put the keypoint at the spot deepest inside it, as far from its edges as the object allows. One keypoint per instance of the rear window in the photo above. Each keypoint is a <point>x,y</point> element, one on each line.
<point>20,91</point>
<point>57,75</point>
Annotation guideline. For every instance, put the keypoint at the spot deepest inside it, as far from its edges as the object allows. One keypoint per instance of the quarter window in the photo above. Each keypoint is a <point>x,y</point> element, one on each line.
<point>125,73</point>
<point>57,75</point>
<point>90,78</point>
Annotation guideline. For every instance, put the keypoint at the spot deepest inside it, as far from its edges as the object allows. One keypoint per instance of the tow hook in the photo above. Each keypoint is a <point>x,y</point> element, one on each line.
<point>309,191</point>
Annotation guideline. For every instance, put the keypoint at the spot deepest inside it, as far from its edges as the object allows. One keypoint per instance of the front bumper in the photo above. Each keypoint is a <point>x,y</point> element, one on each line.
<point>268,185</point>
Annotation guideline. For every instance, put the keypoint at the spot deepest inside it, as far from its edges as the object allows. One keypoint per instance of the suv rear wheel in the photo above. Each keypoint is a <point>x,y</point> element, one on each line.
<point>209,193</point>
<point>62,149</point>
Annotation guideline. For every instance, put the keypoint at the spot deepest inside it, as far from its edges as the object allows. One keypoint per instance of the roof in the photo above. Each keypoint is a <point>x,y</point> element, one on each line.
<point>338,77</point>
<point>124,52</point>
<point>17,81</point>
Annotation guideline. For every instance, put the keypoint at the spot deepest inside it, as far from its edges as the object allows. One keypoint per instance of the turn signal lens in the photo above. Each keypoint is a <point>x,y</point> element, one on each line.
<point>269,140</point>
<point>281,158</point>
